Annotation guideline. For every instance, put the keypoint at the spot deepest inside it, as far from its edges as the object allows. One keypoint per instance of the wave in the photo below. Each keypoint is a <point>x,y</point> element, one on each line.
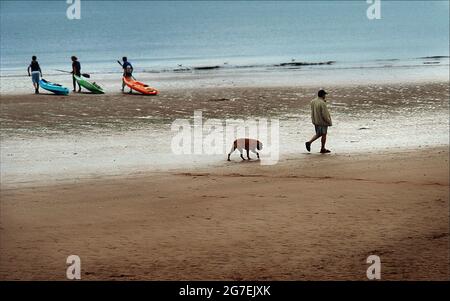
<point>206,68</point>
<point>376,63</point>
<point>434,57</point>
<point>226,65</point>
<point>299,64</point>
<point>387,60</point>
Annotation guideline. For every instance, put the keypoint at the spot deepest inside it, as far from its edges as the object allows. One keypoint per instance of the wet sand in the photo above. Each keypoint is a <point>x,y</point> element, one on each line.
<point>46,114</point>
<point>309,217</point>
<point>51,138</point>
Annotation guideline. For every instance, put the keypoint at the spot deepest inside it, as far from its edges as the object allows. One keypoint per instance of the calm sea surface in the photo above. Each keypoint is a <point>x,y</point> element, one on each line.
<point>160,36</point>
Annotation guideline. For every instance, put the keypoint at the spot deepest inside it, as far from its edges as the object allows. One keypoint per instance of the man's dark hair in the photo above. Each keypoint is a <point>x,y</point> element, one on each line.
<point>124,59</point>
<point>321,93</point>
<point>33,58</point>
<point>74,58</point>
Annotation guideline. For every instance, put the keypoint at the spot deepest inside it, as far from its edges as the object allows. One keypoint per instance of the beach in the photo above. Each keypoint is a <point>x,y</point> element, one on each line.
<point>310,217</point>
<point>103,184</point>
<point>94,176</point>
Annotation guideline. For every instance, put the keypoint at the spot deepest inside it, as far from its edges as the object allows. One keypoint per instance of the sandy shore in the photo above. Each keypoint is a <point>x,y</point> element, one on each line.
<point>77,177</point>
<point>309,217</point>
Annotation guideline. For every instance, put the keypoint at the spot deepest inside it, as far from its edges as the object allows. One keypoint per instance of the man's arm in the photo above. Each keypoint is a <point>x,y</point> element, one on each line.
<point>326,115</point>
<point>28,69</point>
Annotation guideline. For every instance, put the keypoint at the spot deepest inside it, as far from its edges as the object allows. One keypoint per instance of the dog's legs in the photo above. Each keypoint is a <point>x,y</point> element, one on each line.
<point>255,152</point>
<point>242,155</point>
<point>248,154</point>
<point>231,151</point>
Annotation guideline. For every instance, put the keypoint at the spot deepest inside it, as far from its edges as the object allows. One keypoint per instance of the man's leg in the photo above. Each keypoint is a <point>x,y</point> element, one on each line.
<point>74,83</point>
<point>323,150</point>
<point>308,144</point>
<point>314,138</point>
<point>323,141</point>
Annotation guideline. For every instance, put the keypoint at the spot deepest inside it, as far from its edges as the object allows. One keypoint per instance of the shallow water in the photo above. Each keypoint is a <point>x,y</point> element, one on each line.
<point>341,74</point>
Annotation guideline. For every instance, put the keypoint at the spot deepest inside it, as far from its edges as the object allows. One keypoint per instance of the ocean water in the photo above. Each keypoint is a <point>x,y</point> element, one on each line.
<point>181,36</point>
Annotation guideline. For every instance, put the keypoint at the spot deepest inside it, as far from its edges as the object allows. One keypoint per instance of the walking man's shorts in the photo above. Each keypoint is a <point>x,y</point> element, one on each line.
<point>321,129</point>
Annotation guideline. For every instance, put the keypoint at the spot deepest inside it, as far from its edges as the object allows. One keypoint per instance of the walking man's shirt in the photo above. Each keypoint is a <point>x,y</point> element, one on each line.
<point>319,113</point>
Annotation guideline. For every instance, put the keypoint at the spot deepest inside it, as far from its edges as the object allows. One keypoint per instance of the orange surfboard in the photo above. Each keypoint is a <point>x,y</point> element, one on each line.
<point>140,87</point>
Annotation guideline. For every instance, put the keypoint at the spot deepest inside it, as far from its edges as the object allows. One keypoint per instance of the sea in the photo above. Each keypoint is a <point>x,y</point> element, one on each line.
<point>174,43</point>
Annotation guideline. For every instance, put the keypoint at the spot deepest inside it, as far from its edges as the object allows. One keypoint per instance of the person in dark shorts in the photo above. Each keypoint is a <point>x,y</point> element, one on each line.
<point>35,73</point>
<point>320,117</point>
<point>76,70</point>
<point>127,70</point>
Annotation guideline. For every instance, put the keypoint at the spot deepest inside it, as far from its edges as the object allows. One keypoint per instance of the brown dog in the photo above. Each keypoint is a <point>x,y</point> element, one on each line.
<point>248,145</point>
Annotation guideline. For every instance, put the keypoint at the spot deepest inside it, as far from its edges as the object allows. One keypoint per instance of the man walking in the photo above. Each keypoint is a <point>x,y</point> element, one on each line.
<point>321,119</point>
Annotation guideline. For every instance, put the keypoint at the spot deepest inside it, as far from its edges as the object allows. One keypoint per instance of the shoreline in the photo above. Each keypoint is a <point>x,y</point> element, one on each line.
<point>308,86</point>
<point>249,78</point>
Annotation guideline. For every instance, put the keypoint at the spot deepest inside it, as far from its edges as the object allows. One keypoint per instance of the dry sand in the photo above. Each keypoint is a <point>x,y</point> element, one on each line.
<point>313,218</point>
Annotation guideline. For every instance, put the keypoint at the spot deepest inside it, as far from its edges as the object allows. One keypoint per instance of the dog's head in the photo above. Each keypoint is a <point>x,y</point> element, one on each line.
<point>259,145</point>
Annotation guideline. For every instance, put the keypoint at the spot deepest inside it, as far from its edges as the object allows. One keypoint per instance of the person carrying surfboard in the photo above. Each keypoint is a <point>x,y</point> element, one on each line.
<point>76,70</point>
<point>35,72</point>
<point>127,71</point>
